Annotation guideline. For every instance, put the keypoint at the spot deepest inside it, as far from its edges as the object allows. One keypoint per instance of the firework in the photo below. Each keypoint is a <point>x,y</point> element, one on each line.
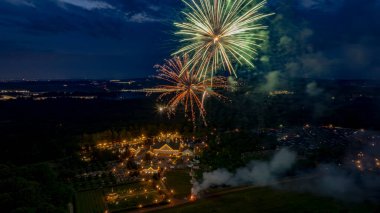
<point>185,88</point>
<point>219,32</point>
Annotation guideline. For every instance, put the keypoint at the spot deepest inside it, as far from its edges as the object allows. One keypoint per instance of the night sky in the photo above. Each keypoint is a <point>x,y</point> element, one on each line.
<point>114,39</point>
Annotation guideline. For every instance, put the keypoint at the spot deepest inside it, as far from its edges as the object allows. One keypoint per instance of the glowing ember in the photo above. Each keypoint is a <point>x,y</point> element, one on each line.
<point>193,198</point>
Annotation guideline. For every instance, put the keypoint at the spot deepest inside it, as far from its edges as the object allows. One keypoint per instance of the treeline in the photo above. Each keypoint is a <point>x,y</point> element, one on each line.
<point>33,188</point>
<point>226,150</point>
<point>36,131</point>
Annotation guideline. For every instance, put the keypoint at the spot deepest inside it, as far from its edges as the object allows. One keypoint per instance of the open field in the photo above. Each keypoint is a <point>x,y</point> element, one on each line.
<point>270,200</point>
<point>179,181</point>
<point>129,196</point>
<point>90,202</point>
<point>132,196</point>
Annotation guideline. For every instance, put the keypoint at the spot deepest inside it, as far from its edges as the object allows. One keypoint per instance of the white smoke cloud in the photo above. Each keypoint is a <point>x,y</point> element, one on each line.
<point>326,180</point>
<point>272,82</point>
<point>332,181</point>
<point>232,84</point>
<point>312,89</point>
<point>256,172</point>
<point>317,64</point>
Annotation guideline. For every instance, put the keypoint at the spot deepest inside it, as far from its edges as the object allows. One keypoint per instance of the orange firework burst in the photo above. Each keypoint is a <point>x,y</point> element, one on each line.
<point>185,87</point>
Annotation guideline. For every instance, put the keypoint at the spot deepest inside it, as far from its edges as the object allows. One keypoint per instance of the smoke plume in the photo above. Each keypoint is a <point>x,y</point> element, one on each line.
<point>313,90</point>
<point>342,184</point>
<point>256,172</point>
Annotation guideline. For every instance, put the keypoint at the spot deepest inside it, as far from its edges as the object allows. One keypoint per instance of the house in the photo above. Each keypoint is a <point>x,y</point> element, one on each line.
<point>166,149</point>
<point>134,151</point>
<point>112,197</point>
<point>187,153</point>
<point>150,170</point>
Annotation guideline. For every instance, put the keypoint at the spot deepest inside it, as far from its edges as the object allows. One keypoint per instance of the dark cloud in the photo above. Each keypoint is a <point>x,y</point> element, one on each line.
<point>87,4</point>
<point>345,39</point>
<point>25,3</point>
<point>322,5</point>
<point>142,18</point>
<point>81,38</point>
<point>73,15</point>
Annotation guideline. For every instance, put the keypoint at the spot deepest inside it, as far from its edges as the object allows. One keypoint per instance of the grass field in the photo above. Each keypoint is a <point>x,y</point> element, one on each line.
<point>179,181</point>
<point>130,196</point>
<point>269,200</point>
<point>133,195</point>
<point>90,202</point>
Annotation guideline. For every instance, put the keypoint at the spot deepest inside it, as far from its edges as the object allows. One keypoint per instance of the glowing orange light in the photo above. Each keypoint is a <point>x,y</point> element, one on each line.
<point>193,197</point>
<point>216,39</point>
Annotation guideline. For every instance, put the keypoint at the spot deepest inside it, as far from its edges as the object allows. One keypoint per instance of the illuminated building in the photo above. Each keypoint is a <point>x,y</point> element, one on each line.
<point>166,149</point>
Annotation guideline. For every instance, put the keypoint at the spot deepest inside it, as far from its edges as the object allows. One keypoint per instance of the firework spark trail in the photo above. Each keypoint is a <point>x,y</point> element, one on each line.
<point>185,87</point>
<point>218,32</point>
